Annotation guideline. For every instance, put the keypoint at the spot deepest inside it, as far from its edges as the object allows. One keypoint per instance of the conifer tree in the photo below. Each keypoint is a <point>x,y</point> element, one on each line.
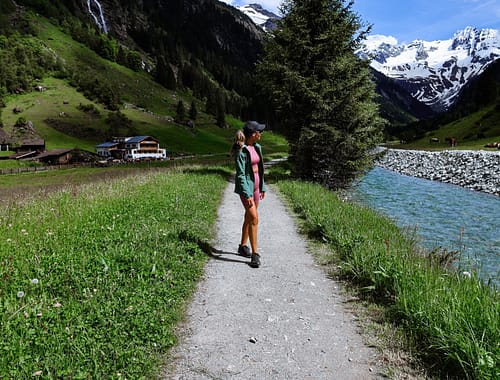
<point>220,109</point>
<point>193,111</point>
<point>321,92</point>
<point>180,114</point>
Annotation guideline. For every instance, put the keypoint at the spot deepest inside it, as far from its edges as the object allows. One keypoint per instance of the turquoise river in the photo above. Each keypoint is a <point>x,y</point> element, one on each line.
<point>441,215</point>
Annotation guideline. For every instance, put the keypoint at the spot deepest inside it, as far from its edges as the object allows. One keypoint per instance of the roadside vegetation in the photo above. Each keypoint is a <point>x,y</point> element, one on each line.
<point>94,277</point>
<point>450,318</point>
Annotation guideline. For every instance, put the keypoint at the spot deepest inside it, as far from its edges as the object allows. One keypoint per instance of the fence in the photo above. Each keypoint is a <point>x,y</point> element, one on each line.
<point>29,169</point>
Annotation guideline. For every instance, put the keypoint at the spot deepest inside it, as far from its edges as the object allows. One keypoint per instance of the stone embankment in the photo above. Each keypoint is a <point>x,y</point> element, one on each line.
<point>476,170</point>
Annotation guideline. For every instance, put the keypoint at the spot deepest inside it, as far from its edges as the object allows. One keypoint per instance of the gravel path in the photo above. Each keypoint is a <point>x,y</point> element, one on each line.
<point>285,320</point>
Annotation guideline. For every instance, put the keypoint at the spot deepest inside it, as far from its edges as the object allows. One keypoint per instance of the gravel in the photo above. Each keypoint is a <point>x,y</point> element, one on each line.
<point>284,320</point>
<point>475,170</point>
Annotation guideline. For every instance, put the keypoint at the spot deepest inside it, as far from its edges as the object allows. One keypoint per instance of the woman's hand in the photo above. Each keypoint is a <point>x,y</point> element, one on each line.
<point>249,202</point>
<point>262,195</point>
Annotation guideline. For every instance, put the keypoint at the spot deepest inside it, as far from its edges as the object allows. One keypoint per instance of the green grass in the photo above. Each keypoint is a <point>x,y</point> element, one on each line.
<point>472,132</point>
<point>94,277</point>
<point>39,106</point>
<point>8,164</point>
<point>452,319</point>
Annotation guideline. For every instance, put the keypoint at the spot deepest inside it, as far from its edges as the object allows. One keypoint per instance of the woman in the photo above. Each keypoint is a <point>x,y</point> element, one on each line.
<point>249,184</point>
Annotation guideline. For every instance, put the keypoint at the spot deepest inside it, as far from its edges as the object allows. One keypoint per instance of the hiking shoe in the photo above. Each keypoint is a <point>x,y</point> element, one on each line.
<point>244,251</point>
<point>255,261</point>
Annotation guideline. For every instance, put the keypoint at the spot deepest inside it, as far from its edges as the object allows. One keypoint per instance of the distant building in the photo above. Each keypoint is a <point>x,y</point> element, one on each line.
<point>132,148</point>
<point>35,145</point>
<point>107,149</point>
<point>4,140</point>
<point>56,157</point>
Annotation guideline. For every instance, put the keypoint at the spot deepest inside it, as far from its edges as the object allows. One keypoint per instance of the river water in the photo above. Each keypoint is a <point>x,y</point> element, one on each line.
<point>442,215</point>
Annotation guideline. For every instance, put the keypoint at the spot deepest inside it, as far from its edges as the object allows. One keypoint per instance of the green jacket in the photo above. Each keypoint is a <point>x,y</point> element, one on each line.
<point>244,180</point>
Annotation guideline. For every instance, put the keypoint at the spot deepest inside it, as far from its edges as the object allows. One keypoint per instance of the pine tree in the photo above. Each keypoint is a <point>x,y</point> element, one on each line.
<point>321,92</point>
<point>181,112</point>
<point>220,109</point>
<point>193,111</point>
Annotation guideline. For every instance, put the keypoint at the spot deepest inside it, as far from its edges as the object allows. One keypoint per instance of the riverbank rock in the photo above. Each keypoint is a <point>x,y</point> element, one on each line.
<point>476,170</point>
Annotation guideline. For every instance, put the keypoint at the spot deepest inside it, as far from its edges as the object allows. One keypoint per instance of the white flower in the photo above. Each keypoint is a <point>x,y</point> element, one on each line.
<point>34,281</point>
<point>20,294</point>
<point>467,274</point>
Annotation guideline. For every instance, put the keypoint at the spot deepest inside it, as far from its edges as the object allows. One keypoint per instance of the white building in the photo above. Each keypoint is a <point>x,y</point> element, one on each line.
<point>132,148</point>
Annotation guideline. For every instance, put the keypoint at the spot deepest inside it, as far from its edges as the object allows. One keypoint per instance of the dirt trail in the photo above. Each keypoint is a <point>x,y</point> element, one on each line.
<point>285,320</point>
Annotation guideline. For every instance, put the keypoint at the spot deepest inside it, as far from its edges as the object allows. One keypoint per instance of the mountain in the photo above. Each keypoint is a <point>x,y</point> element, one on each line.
<point>133,57</point>
<point>260,16</point>
<point>396,104</point>
<point>181,42</point>
<point>434,72</point>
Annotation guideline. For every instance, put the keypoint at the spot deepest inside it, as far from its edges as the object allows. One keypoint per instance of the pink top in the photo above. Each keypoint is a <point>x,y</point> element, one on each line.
<point>254,156</point>
<point>255,159</point>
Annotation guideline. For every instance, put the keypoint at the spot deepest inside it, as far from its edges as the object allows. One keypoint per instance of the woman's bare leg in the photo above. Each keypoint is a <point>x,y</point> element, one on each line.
<point>252,223</point>
<point>244,232</point>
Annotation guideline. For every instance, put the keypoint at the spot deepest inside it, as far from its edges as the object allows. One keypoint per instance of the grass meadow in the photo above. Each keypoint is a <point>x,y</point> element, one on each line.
<point>451,319</point>
<point>93,277</point>
<point>96,266</point>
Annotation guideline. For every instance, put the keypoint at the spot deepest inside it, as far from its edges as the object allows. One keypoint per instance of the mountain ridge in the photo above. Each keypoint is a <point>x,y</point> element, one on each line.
<point>265,19</point>
<point>434,72</point>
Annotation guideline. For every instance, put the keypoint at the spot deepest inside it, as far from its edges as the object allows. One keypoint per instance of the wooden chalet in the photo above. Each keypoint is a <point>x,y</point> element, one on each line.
<point>132,148</point>
<point>56,156</point>
<point>35,145</point>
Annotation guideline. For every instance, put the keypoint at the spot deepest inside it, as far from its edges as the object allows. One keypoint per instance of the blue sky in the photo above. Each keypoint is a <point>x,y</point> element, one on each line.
<point>417,19</point>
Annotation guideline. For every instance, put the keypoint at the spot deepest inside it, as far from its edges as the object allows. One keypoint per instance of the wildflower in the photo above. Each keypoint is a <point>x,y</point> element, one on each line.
<point>34,281</point>
<point>37,373</point>
<point>9,240</point>
<point>467,274</point>
<point>20,294</point>
<point>57,305</point>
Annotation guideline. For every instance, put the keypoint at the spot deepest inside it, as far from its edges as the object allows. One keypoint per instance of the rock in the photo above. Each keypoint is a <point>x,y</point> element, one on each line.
<point>478,170</point>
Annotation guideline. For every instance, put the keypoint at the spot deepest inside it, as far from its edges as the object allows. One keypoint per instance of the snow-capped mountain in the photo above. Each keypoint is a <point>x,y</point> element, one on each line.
<point>260,16</point>
<point>434,72</point>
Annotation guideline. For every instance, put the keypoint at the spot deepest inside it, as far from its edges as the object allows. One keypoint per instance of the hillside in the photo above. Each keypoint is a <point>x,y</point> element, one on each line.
<point>56,117</point>
<point>86,98</point>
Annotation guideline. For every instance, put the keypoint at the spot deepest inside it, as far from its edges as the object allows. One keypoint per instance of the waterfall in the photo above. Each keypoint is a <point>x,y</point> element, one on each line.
<point>98,20</point>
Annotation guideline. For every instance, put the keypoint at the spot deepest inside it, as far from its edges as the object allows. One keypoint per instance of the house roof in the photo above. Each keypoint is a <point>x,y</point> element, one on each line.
<point>108,144</point>
<point>137,139</point>
<point>4,137</point>
<point>40,142</point>
<point>54,153</point>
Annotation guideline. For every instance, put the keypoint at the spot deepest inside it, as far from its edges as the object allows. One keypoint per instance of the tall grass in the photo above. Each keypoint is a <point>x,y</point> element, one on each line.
<point>94,277</point>
<point>453,319</point>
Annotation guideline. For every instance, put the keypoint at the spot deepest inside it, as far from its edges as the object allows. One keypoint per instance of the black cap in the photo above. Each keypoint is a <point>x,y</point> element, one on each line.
<point>253,126</point>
